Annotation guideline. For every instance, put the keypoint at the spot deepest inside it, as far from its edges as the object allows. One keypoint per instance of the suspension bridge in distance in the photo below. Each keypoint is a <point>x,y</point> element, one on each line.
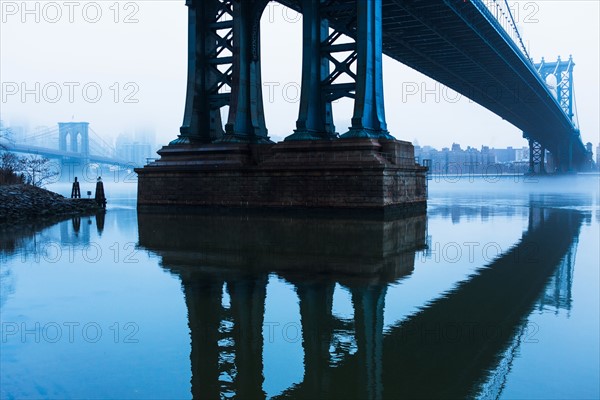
<point>69,143</point>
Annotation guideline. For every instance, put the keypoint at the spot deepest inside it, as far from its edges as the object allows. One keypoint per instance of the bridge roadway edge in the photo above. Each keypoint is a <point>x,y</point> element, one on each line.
<point>346,176</point>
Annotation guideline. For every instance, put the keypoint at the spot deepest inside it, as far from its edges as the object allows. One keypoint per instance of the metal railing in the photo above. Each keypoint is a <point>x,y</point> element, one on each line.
<point>501,11</point>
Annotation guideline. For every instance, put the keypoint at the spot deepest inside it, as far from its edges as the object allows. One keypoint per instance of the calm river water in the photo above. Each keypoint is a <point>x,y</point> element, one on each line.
<point>493,293</point>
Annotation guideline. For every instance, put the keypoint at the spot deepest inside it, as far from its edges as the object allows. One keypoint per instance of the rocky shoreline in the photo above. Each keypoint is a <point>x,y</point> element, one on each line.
<point>21,203</point>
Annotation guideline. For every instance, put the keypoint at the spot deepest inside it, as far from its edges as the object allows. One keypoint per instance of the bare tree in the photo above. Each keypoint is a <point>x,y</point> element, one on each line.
<point>38,170</point>
<point>9,161</point>
<point>9,169</point>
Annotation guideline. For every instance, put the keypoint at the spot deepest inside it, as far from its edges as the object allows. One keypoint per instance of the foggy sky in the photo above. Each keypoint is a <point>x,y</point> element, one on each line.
<point>141,66</point>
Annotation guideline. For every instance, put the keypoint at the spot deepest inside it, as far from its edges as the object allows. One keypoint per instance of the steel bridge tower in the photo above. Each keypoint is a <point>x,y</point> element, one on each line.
<point>78,137</point>
<point>558,76</point>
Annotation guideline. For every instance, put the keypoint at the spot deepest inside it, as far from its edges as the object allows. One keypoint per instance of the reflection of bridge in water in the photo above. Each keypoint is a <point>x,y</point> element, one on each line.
<point>445,350</point>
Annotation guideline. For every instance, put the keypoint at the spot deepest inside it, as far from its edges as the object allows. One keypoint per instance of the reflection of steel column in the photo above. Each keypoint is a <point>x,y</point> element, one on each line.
<point>369,112</point>
<point>315,120</point>
<point>368,319</point>
<point>246,122</point>
<point>247,310</point>
<point>316,300</point>
<point>203,298</point>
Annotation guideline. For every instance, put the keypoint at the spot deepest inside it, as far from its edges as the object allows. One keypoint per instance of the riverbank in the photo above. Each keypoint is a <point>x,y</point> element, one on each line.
<point>25,203</point>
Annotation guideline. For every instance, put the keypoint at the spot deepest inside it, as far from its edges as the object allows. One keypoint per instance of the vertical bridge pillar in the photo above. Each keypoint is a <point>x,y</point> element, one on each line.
<point>368,120</point>
<point>536,157</point>
<point>315,119</point>
<point>246,122</point>
<point>210,35</point>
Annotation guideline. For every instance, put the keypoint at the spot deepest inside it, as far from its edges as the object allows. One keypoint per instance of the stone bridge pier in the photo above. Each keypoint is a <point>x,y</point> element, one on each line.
<point>237,165</point>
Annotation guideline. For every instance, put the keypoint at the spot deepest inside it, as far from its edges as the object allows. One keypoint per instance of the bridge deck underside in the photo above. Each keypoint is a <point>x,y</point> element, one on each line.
<point>456,44</point>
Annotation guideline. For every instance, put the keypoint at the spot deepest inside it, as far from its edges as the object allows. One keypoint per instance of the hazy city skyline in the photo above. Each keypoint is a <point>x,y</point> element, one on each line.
<point>122,72</point>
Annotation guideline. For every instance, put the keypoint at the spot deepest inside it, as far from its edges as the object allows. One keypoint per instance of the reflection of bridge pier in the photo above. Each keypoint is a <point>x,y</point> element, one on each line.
<point>248,295</point>
<point>368,304</point>
<point>312,254</point>
<point>204,295</point>
<point>449,348</point>
<point>316,301</point>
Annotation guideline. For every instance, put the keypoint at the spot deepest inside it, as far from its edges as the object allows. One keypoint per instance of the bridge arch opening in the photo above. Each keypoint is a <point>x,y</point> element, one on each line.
<point>67,141</point>
<point>78,142</point>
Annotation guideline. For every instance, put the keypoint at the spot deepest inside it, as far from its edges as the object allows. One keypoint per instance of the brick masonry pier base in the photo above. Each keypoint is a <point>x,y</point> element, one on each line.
<point>341,175</point>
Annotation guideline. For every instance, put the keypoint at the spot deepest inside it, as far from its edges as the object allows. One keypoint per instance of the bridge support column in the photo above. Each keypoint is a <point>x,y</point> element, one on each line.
<point>369,111</point>
<point>569,157</point>
<point>566,163</point>
<point>209,70</point>
<point>246,122</point>
<point>315,119</point>
<point>536,158</point>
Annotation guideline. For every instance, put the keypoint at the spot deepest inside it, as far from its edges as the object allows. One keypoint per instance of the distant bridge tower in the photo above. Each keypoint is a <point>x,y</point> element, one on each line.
<point>558,76</point>
<point>73,137</point>
<point>562,71</point>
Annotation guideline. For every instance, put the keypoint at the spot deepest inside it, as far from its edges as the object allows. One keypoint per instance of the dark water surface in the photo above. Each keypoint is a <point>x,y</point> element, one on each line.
<point>493,293</point>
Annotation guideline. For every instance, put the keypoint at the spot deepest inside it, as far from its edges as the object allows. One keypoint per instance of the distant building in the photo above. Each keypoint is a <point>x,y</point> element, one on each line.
<point>135,153</point>
<point>455,160</point>
<point>135,149</point>
<point>505,155</point>
<point>522,154</point>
